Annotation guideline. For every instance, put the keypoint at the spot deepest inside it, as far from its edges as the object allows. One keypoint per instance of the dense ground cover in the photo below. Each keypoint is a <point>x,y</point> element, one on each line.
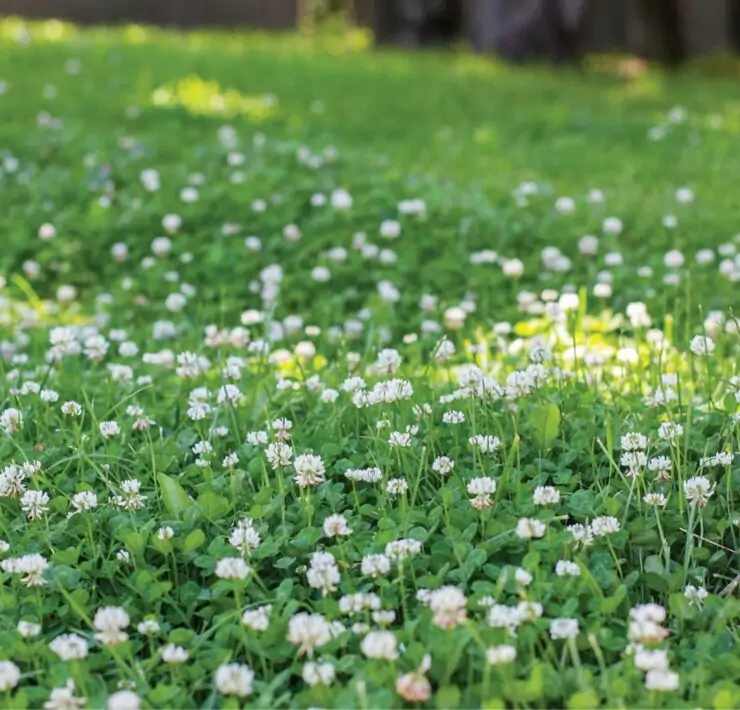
<point>333,379</point>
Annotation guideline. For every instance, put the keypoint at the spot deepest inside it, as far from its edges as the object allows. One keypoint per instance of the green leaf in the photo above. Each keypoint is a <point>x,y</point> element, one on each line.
<point>610,604</point>
<point>583,700</point>
<point>654,564</point>
<point>134,541</point>
<point>545,421</point>
<point>212,505</point>
<point>680,606</point>
<point>174,497</point>
<point>448,696</point>
<point>726,697</point>
<point>530,689</point>
<point>193,541</point>
<point>656,582</point>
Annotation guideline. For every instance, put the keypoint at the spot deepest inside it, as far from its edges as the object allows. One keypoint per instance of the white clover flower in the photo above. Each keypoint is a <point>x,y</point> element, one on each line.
<point>232,568</point>
<point>612,226</point>
<point>501,616</point>
<point>448,606</point>
<point>234,679</point>
<point>444,351</point>
<point>49,396</point>
<point>124,700</point>
<point>375,565</point>
<point>257,438</point>
<point>308,632</point>
<point>723,458</point>
<point>481,486</point>
<point>34,504</point>
<point>71,409</point>
<point>309,470</point>
<point>318,673</point>
<point>64,698</point>
<point>292,233</point>
<point>698,490</point>
<point>380,645</point>
<point>364,475</point>
<point>329,395</point>
<point>662,680</point>
<point>634,462</point>
<point>400,439</point>
<point>28,629</point>
<point>661,465</point>
<point>514,268</point>
<point>109,429</point>
<point>702,345</point>
<point>684,195</point>
<point>645,624</point>
<point>336,525</point>
<point>202,447</point>
<point>565,205</point>
<point>566,568</point>
<point>10,676</point>
<point>165,533</point>
<point>109,623</point>
<point>482,490</point>
<point>359,602</point>
<point>500,655</point>
<point>148,627</point>
<point>69,647</point>
<point>323,573</point>
<point>651,659</point>
<point>604,525</point>
<point>453,417</point>
<point>279,454</point>
<point>648,612</point>
<point>257,619</point>
<point>171,222</point>
<point>46,232</point>
<point>397,486</point>
<point>588,245</point>
<point>563,628</point>
<point>173,654</point>
<point>443,465</point>
<point>695,595</point>
<point>485,444</point>
<point>131,499</point>
<point>674,259</point>
<point>546,495</point>
<point>11,420</point>
<point>634,442</point>
<point>454,318</point>
<point>230,460</point>
<point>529,528</point>
<point>401,549</point>
<point>32,566</point>
<point>529,610</point>
<point>390,229</point>
<point>657,500</point>
<point>228,396</point>
<point>12,481</point>
<point>244,537</point>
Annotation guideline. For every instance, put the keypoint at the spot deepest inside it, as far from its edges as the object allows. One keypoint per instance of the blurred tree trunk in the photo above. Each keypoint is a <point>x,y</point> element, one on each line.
<point>664,33</point>
<point>733,23</point>
<point>523,28</point>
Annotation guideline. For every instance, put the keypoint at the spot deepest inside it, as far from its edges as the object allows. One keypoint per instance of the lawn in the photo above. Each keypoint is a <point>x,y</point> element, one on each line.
<point>335,378</point>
